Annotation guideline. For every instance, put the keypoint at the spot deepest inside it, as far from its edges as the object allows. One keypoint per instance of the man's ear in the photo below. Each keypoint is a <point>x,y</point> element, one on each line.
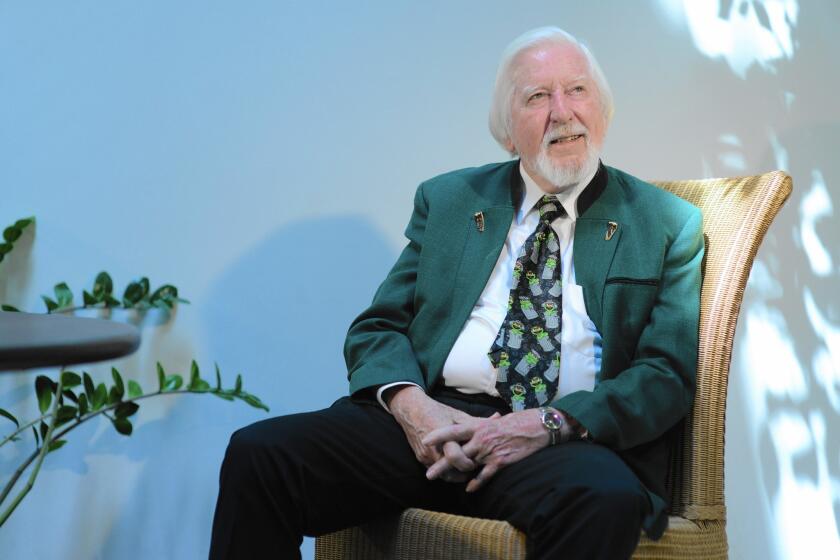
<point>509,146</point>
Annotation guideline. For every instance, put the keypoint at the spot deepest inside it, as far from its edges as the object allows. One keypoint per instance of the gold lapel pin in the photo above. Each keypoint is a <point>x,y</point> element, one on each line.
<point>479,220</point>
<point>611,228</point>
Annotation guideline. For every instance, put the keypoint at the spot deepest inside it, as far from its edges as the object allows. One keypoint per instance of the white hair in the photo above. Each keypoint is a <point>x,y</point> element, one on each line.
<point>500,109</point>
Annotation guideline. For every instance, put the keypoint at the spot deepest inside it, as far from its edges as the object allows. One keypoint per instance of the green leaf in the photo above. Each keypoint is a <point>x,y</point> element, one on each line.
<point>99,397</point>
<point>43,429</point>
<point>123,426</point>
<point>144,282</point>
<point>5,248</point>
<point>253,401</point>
<point>218,378</point>
<point>118,381</point>
<point>70,379</point>
<point>161,377</point>
<point>37,437</point>
<point>5,413</point>
<point>56,444</point>
<point>111,301</point>
<point>43,389</point>
<point>83,405</point>
<point>23,223</point>
<point>88,299</point>
<point>223,395</point>
<point>89,387</point>
<point>12,233</point>
<point>51,305</point>
<point>63,295</point>
<point>133,293</point>
<point>68,393</point>
<point>64,414</point>
<point>200,386</point>
<point>114,396</point>
<point>173,382</point>
<point>167,292</point>
<point>238,388</point>
<point>126,409</point>
<point>134,389</point>
<point>103,285</point>
<point>195,375</point>
<point>11,308</point>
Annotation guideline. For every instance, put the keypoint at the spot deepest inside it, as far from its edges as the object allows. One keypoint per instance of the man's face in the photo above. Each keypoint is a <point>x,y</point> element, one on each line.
<point>557,120</point>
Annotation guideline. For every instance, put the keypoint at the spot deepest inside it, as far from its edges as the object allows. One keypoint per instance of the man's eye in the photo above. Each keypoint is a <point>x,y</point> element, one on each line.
<point>536,96</point>
<point>578,89</point>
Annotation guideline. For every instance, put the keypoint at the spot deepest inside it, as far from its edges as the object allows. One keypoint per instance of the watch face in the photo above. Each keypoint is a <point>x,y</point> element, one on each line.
<point>552,420</point>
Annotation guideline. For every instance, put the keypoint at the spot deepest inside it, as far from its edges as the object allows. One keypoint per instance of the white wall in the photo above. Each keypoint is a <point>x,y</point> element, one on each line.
<point>212,144</point>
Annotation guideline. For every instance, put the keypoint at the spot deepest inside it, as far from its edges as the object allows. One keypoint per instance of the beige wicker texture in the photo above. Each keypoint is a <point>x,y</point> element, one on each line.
<point>736,214</point>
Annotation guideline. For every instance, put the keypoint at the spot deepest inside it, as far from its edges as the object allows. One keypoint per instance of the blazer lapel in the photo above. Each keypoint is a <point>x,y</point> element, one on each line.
<point>481,252</point>
<point>594,251</point>
<point>597,237</point>
<point>481,249</point>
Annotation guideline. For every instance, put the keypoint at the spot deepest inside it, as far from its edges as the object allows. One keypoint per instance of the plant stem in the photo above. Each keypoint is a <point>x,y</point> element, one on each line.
<point>22,429</point>
<point>45,446</point>
<point>39,453</point>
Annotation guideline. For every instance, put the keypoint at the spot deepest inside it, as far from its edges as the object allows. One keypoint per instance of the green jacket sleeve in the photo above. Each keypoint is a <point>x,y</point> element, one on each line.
<point>377,349</point>
<point>656,390</point>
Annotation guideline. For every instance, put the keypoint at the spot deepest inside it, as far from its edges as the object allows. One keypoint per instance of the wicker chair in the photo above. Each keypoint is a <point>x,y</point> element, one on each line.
<point>737,213</point>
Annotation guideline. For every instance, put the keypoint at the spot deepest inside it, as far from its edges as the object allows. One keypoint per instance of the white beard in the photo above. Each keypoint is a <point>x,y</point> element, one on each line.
<point>570,174</point>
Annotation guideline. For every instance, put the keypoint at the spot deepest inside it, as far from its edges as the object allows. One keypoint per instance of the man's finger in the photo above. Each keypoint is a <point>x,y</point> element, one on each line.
<point>481,478</point>
<point>456,457</point>
<point>454,432</point>
<point>453,460</point>
<point>438,469</point>
<point>477,449</point>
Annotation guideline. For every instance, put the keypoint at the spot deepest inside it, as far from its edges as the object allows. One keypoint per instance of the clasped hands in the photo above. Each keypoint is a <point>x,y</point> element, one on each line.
<point>456,447</point>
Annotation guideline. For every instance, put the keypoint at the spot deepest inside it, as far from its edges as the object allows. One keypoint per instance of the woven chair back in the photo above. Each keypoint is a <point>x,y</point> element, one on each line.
<point>736,215</point>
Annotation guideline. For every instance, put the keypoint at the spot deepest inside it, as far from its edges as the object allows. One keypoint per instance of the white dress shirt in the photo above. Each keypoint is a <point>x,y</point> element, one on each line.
<point>467,368</point>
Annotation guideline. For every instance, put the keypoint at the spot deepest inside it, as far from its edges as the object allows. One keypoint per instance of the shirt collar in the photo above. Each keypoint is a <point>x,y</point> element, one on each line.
<point>567,197</point>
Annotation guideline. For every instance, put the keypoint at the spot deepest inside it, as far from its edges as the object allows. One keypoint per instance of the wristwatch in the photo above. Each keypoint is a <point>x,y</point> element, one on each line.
<point>552,421</point>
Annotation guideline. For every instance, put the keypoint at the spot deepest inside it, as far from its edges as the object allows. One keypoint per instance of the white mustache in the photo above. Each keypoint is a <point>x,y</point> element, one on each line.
<point>560,132</point>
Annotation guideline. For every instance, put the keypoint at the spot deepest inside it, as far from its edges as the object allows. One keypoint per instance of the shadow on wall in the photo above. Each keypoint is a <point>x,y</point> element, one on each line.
<point>280,314</point>
<point>790,345</point>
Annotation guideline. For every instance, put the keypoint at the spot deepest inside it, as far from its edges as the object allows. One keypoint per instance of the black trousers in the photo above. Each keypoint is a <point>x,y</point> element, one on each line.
<point>318,472</point>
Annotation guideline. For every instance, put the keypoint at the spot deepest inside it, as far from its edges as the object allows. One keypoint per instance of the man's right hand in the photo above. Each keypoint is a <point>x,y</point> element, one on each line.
<point>418,415</point>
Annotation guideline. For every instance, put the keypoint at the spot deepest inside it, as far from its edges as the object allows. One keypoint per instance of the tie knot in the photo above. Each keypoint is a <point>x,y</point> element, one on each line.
<point>550,208</point>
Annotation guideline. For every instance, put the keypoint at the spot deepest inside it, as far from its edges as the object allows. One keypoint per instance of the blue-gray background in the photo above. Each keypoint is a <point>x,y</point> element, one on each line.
<point>214,145</point>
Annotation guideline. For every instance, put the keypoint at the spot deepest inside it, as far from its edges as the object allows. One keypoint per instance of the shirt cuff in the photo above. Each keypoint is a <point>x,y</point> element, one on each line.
<point>382,390</point>
<point>579,431</point>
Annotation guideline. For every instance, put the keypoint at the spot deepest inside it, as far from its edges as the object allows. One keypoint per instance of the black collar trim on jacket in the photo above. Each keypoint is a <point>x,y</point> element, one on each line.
<point>593,190</point>
<point>589,195</point>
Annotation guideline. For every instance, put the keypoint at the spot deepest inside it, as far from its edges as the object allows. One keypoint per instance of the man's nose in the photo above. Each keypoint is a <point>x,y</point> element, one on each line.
<point>561,112</point>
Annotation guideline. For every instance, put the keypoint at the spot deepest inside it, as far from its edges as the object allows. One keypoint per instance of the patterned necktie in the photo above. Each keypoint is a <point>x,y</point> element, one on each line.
<point>527,349</point>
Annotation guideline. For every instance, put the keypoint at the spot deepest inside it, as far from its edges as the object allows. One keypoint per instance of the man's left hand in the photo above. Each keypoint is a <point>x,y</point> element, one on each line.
<point>491,442</point>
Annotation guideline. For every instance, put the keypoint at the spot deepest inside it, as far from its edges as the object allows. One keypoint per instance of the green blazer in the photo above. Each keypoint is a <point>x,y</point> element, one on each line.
<point>641,287</point>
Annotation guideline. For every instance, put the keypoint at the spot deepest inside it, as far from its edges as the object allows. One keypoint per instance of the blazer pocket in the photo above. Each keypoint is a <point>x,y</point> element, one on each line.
<point>634,281</point>
<point>628,303</point>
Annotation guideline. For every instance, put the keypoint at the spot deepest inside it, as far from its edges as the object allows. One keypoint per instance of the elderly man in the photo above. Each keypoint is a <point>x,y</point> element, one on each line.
<point>527,358</point>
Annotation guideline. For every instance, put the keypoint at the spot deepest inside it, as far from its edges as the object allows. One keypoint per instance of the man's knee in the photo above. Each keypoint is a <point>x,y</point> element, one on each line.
<point>617,503</point>
<point>262,445</point>
<point>599,500</point>
<point>598,520</point>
